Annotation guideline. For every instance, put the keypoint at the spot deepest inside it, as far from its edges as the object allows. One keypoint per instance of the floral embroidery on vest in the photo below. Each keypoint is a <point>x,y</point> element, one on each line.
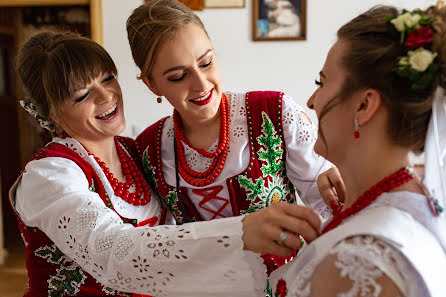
<point>149,170</point>
<point>68,278</point>
<point>270,188</point>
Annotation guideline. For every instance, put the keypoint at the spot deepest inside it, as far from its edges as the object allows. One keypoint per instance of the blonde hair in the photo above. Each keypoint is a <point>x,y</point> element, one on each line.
<point>152,23</point>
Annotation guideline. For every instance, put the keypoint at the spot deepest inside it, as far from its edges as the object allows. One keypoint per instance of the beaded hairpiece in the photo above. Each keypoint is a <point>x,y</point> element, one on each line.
<point>416,35</point>
<point>32,110</point>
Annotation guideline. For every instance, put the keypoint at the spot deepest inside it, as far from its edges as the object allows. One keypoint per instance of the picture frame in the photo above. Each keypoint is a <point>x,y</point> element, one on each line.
<point>224,3</point>
<point>192,4</point>
<point>276,20</point>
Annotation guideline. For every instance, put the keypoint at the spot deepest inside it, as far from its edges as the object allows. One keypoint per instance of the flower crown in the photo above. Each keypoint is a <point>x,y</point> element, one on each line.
<point>416,34</point>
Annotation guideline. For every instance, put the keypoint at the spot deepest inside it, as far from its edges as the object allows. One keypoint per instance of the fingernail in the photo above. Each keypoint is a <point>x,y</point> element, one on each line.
<point>334,204</point>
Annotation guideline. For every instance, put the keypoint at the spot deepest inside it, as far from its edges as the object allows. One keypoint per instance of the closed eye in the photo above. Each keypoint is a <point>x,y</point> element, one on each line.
<point>318,82</point>
<point>108,78</point>
<point>206,65</point>
<point>80,99</point>
<point>178,79</point>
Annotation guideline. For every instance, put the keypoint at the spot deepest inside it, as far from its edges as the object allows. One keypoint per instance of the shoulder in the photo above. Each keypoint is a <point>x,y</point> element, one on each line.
<point>47,179</point>
<point>361,265</point>
<point>263,96</point>
<point>52,170</point>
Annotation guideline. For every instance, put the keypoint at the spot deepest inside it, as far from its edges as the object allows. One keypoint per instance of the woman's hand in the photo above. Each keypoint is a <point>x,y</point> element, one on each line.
<point>262,229</point>
<point>332,188</point>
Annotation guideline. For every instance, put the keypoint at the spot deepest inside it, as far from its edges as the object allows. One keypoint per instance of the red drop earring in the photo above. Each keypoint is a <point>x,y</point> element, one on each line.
<point>159,99</point>
<point>356,132</point>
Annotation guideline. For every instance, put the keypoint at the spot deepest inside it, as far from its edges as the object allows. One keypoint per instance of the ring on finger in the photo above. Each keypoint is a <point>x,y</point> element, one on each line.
<point>282,237</point>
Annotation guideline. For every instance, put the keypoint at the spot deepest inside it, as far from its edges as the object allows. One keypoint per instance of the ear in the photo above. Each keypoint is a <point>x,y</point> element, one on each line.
<point>367,106</point>
<point>151,86</point>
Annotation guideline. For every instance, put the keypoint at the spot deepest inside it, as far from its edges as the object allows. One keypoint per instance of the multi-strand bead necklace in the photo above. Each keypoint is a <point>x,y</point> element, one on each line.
<point>133,176</point>
<point>201,179</point>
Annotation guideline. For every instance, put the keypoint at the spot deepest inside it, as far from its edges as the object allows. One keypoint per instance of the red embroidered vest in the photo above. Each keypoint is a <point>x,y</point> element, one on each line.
<point>262,183</point>
<point>50,272</point>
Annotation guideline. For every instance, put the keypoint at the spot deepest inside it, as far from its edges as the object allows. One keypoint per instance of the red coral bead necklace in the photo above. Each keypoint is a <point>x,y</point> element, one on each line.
<point>133,176</point>
<point>218,157</point>
<point>397,179</point>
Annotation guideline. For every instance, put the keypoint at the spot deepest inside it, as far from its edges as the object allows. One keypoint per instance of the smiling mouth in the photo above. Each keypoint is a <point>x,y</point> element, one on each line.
<point>203,100</point>
<point>110,113</point>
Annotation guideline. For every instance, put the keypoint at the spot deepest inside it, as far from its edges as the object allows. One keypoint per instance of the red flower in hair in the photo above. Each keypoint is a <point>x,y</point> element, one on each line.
<point>281,289</point>
<point>420,37</point>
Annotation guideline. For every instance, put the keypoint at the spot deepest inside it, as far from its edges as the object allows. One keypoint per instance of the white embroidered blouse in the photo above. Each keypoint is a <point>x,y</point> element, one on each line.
<point>394,247</point>
<point>194,259</point>
<point>303,165</point>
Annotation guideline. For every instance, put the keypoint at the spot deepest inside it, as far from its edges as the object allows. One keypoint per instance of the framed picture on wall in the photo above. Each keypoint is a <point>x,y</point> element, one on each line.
<point>224,3</point>
<point>192,4</point>
<point>279,20</point>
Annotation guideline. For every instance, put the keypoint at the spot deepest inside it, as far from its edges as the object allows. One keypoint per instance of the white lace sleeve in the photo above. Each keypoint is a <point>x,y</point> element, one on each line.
<point>303,165</point>
<point>197,259</point>
<point>365,266</point>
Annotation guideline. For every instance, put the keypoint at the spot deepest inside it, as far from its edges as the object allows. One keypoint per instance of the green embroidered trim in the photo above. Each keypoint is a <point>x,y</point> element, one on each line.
<point>67,281</point>
<point>171,200</point>
<point>270,188</point>
<point>271,152</point>
<point>51,253</point>
<point>149,170</point>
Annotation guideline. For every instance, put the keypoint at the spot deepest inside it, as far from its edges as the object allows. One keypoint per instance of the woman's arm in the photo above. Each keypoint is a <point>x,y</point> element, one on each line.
<point>188,260</point>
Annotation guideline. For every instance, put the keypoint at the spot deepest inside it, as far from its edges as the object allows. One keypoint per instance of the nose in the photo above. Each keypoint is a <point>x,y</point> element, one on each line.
<point>104,95</point>
<point>310,102</point>
<point>200,82</point>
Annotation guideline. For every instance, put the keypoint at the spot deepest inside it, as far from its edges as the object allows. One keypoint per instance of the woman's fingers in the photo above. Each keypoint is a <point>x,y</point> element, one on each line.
<point>338,183</point>
<point>301,219</point>
<point>332,188</point>
<point>274,247</point>
<point>262,229</point>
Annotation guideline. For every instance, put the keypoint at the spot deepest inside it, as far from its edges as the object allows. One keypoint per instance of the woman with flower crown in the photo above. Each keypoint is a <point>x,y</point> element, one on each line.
<point>380,96</point>
<point>86,213</point>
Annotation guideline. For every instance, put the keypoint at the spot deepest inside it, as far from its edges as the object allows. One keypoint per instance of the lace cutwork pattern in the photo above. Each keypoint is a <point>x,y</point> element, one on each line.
<point>103,243</point>
<point>294,114</point>
<point>123,247</point>
<point>361,259</point>
<point>196,161</point>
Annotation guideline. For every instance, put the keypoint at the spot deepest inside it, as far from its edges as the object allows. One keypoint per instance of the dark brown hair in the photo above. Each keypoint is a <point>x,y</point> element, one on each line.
<point>152,23</point>
<point>54,65</point>
<point>370,60</point>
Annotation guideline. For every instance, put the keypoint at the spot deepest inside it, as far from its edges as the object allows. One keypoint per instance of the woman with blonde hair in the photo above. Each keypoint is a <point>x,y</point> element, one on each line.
<point>221,154</point>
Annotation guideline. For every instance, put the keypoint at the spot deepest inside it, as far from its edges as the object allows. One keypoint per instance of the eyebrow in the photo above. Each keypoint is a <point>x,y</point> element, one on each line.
<point>322,74</point>
<point>182,67</point>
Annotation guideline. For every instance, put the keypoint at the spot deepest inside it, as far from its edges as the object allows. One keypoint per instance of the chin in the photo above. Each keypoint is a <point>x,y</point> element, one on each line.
<point>320,148</point>
<point>121,129</point>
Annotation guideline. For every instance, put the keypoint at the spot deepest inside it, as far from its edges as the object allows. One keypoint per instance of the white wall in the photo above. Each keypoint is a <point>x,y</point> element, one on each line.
<point>290,66</point>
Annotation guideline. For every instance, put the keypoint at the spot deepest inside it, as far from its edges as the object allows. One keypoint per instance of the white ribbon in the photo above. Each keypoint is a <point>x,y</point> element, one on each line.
<point>435,150</point>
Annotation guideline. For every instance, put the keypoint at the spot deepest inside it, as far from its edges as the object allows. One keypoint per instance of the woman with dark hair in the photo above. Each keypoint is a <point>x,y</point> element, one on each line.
<point>86,213</point>
<point>380,97</point>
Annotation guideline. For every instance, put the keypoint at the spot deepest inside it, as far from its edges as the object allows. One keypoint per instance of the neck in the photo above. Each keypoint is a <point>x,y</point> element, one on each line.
<point>209,127</point>
<point>368,165</point>
<point>203,133</point>
<point>104,149</point>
